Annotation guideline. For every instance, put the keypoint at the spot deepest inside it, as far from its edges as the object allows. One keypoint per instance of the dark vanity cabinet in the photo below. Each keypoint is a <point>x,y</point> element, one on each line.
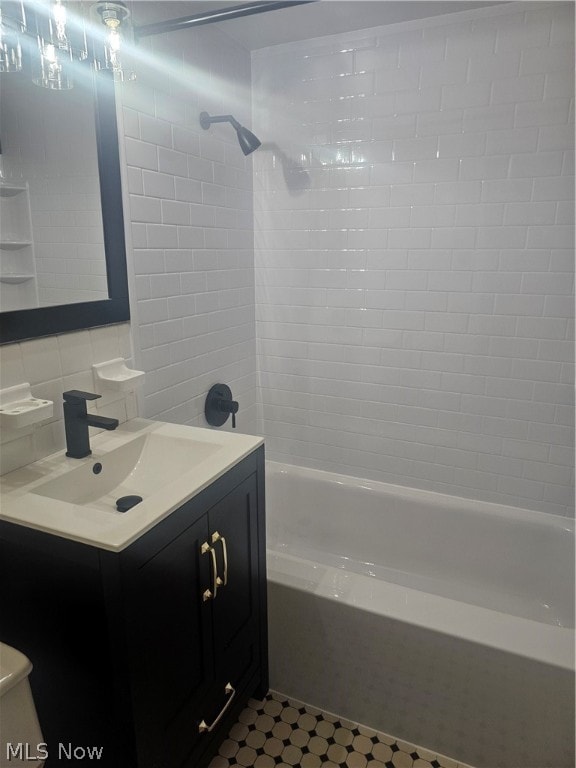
<point>150,652</point>
<point>193,623</point>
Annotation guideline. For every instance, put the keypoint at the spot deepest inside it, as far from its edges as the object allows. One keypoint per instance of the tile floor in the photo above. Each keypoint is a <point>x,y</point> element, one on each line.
<point>285,733</point>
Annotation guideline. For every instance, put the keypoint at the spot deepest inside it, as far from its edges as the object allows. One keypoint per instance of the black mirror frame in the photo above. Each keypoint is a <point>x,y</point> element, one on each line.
<point>21,324</point>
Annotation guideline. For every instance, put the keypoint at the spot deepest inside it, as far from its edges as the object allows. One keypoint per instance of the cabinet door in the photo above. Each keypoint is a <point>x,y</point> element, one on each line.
<point>171,651</point>
<point>235,609</point>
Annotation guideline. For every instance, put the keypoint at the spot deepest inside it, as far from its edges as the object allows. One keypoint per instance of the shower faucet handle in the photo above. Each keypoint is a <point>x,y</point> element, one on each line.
<point>229,406</point>
<point>219,405</point>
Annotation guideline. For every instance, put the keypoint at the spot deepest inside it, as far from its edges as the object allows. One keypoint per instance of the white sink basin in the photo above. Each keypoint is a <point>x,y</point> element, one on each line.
<point>139,467</point>
<point>165,464</point>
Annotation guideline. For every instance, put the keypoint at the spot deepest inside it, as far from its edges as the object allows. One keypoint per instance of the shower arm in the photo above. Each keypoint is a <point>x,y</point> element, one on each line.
<point>223,14</point>
<point>247,140</point>
<point>206,120</point>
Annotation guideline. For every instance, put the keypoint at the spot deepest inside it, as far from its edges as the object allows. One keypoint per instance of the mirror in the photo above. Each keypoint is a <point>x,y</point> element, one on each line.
<point>62,249</point>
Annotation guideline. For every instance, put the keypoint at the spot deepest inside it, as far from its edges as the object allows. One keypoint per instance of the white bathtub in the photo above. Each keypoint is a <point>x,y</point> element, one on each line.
<point>444,621</point>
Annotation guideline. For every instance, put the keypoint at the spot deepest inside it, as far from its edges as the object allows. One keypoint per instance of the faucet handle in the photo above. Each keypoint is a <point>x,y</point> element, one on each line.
<point>76,396</point>
<point>219,405</point>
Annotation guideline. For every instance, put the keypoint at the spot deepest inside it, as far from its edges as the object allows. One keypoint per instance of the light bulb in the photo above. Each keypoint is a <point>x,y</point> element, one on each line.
<point>114,40</point>
<point>59,16</point>
<point>50,53</point>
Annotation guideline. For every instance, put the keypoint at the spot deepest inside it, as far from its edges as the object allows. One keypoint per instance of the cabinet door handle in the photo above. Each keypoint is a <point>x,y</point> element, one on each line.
<point>216,580</point>
<point>230,692</point>
<point>218,537</point>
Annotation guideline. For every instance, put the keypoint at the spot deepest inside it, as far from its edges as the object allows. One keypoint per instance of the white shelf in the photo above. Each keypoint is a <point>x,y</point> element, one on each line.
<point>14,245</point>
<point>10,190</point>
<point>15,279</point>
<point>18,284</point>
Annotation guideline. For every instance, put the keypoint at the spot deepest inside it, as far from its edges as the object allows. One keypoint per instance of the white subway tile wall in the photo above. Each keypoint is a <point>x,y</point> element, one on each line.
<point>414,253</point>
<point>52,365</point>
<point>190,202</point>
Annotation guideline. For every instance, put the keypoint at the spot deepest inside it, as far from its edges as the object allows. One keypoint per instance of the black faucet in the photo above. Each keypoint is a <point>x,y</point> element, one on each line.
<point>77,420</point>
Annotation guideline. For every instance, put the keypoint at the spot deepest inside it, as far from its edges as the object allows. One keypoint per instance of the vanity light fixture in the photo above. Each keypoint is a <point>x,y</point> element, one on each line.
<point>117,33</point>
<point>52,65</point>
<point>66,35</point>
<point>59,37</point>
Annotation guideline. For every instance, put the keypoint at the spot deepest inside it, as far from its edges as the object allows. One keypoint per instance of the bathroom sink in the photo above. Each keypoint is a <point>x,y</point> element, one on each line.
<point>164,464</point>
<point>139,467</point>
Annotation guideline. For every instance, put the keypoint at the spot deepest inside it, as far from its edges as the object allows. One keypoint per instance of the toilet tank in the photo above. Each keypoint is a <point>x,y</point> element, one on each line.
<point>20,735</point>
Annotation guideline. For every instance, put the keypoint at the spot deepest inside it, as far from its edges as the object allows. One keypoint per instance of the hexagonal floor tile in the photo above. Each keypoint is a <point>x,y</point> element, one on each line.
<point>307,722</point>
<point>325,729</point>
<point>277,732</point>
<point>282,730</point>
<point>299,738</point>
<point>356,760</point>
<point>273,747</point>
<point>264,723</point>
<point>246,756</point>
<point>362,744</point>
<point>265,761</point>
<point>310,761</point>
<point>255,739</point>
<point>343,736</point>
<point>292,755</point>
<point>273,708</point>
<point>317,745</point>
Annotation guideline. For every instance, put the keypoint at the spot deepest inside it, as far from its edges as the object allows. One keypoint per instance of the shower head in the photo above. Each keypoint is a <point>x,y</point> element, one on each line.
<point>248,142</point>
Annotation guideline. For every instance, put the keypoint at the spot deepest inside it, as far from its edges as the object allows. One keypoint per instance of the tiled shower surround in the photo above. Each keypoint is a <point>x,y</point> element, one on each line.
<point>414,253</point>
<point>190,209</point>
<point>414,263</point>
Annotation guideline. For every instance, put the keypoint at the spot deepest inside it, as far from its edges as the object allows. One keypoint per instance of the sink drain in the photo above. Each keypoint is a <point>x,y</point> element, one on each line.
<point>124,503</point>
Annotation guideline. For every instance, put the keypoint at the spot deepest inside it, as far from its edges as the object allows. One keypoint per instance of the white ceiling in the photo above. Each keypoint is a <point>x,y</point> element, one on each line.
<point>325,17</point>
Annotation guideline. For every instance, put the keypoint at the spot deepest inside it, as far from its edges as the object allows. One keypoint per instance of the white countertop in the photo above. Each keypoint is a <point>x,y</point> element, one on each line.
<point>107,528</point>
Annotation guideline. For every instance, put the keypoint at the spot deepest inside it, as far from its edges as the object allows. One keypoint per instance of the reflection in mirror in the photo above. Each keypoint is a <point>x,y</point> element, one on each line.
<point>114,307</point>
<point>52,240</point>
